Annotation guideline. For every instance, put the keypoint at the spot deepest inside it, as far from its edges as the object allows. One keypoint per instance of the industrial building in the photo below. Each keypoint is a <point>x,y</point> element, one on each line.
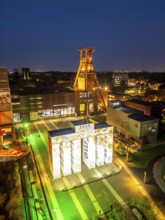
<point>132,123</point>
<point>154,108</point>
<point>42,103</point>
<point>112,96</point>
<point>6,114</point>
<point>119,81</point>
<point>58,101</point>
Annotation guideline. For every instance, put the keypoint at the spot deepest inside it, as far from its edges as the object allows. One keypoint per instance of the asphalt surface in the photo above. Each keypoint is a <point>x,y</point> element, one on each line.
<point>151,183</point>
<point>102,187</point>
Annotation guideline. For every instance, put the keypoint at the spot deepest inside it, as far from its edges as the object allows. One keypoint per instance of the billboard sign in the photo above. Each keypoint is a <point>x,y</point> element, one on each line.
<point>5,100</point>
<point>6,115</point>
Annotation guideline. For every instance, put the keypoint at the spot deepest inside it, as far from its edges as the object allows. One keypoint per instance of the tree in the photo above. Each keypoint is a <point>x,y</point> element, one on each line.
<point>10,193</point>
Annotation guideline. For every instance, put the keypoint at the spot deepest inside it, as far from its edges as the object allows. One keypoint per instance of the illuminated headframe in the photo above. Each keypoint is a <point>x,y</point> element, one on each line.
<point>86,79</point>
<point>85,75</point>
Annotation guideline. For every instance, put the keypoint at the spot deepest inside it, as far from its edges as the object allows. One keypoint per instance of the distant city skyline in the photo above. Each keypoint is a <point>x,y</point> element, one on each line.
<point>46,35</point>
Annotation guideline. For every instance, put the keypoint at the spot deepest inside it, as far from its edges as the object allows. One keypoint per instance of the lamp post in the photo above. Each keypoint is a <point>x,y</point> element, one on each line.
<point>127,153</point>
<point>25,126</point>
<point>145,176</point>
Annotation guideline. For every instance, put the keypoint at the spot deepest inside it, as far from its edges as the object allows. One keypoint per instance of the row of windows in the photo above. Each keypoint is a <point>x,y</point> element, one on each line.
<point>84,94</point>
<point>91,107</point>
<point>47,113</point>
<point>55,112</point>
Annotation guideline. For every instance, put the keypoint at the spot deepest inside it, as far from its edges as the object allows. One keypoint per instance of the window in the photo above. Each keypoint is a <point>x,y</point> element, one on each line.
<point>49,112</point>
<point>91,107</point>
<point>82,107</point>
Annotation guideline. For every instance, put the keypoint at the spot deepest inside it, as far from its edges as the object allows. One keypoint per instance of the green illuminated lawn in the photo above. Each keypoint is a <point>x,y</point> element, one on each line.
<point>73,204</point>
<point>86,201</point>
<point>67,206</point>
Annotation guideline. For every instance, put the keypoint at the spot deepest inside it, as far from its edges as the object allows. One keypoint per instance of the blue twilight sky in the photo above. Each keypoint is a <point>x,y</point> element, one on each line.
<point>46,34</point>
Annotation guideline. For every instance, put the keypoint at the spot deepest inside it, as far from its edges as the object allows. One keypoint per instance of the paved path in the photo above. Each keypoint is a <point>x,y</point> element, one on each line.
<point>160,215</point>
<point>158,168</point>
<point>86,194</point>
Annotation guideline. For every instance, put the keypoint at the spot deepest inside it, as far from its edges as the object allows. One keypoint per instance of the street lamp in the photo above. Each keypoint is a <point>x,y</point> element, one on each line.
<point>127,154</point>
<point>25,126</point>
<point>145,176</point>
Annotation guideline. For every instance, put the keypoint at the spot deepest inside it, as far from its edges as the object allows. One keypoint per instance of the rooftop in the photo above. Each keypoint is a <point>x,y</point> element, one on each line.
<point>81,122</point>
<point>129,110</point>
<point>44,90</point>
<point>60,132</point>
<point>141,117</point>
<point>101,125</point>
<point>153,103</point>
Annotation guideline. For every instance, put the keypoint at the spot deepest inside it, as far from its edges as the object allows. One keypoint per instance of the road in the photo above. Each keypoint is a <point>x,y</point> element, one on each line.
<point>85,195</point>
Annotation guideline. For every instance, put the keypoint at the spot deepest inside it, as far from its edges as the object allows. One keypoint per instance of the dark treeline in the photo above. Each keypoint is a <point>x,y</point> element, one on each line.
<point>10,191</point>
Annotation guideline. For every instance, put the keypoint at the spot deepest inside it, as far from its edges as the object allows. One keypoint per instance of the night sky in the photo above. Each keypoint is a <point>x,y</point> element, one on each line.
<point>45,35</point>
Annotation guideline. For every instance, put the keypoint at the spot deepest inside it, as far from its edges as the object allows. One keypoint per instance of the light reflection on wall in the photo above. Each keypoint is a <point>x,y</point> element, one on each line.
<point>92,143</point>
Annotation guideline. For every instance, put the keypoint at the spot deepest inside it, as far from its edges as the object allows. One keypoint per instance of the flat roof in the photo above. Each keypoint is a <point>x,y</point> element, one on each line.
<point>81,122</point>
<point>153,103</point>
<point>141,117</point>
<point>117,100</point>
<point>60,132</point>
<point>101,125</point>
<point>128,110</point>
<point>44,90</point>
<point>118,93</point>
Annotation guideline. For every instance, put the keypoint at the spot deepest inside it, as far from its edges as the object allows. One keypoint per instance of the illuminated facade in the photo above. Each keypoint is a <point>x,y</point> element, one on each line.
<point>153,108</point>
<point>26,73</point>
<point>119,81</point>
<point>89,98</point>
<point>83,142</point>
<point>132,123</point>
<point>85,97</point>
<point>42,103</point>
<point>113,96</point>
<point>6,114</point>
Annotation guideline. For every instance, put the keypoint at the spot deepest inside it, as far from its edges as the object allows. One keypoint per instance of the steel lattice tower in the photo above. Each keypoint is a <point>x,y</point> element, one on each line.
<point>86,80</point>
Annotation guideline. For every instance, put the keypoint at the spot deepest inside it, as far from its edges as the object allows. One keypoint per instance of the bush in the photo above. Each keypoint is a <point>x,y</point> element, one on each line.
<point>144,206</point>
<point>120,150</point>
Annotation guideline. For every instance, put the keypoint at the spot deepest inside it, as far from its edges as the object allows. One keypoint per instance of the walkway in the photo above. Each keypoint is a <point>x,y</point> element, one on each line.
<point>158,168</point>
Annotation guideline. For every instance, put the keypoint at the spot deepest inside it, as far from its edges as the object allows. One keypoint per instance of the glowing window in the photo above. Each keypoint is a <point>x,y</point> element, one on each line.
<point>91,107</point>
<point>82,107</point>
